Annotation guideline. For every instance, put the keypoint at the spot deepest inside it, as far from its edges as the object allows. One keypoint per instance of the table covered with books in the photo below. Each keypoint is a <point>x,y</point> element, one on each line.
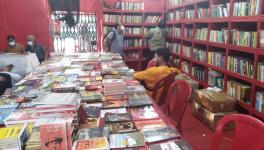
<point>81,102</point>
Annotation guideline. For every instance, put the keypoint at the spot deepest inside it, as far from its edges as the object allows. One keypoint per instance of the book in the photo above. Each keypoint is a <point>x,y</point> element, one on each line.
<point>149,124</point>
<point>137,96</point>
<point>199,54</point>
<point>118,117</point>
<point>221,10</point>
<point>261,39</point>
<point>243,66</point>
<point>114,104</point>
<point>53,136</point>
<point>216,58</point>
<point>116,97</point>
<point>198,72</point>
<point>135,89</point>
<point>201,34</point>
<point>132,19</point>
<point>93,111</point>
<point>121,127</point>
<point>33,142</point>
<point>89,133</point>
<point>4,113</point>
<point>171,145</point>
<point>259,103</point>
<point>133,139</point>
<point>91,96</point>
<point>113,111</point>
<point>92,144</point>
<point>51,98</point>
<point>20,116</point>
<point>139,102</point>
<point>244,38</point>
<point>160,134</point>
<point>239,90</point>
<point>142,113</point>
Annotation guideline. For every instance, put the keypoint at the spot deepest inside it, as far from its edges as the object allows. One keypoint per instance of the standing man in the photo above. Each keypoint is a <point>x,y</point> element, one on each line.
<point>14,47</point>
<point>34,47</point>
<point>114,42</point>
<point>157,38</point>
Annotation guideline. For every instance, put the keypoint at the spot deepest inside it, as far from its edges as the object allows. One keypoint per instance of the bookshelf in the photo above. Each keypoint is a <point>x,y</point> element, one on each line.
<point>137,19</point>
<point>225,46</point>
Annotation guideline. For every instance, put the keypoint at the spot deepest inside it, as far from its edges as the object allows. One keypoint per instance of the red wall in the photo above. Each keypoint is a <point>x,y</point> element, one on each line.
<point>23,17</point>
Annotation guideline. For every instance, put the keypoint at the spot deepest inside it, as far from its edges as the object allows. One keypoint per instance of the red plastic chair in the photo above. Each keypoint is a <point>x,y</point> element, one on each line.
<point>176,102</point>
<point>248,133</point>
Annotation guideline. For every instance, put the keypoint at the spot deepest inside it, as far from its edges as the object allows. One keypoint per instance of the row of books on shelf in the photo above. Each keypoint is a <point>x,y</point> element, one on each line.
<point>152,19</point>
<point>244,38</point>
<point>216,59</point>
<point>243,66</point>
<point>219,36</point>
<point>219,11</point>
<point>132,5</point>
<point>132,30</point>
<point>186,51</point>
<point>112,18</point>
<point>203,13</point>
<point>260,75</point>
<point>259,103</point>
<point>247,8</point>
<point>239,90</point>
<point>133,42</point>
<point>198,73</point>
<point>199,54</point>
<point>132,19</point>
<point>189,14</point>
<point>201,34</point>
<point>172,3</point>
<point>215,79</point>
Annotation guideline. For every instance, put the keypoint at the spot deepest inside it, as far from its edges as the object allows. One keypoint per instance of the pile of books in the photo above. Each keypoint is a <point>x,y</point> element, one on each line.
<point>246,8</point>
<point>221,10</point>
<point>216,58</point>
<point>243,66</point>
<point>201,34</point>
<point>239,90</point>
<point>199,54</point>
<point>244,38</point>
<point>218,36</point>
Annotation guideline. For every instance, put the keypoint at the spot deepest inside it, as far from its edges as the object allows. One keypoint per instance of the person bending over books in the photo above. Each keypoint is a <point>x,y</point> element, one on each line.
<point>8,69</point>
<point>14,47</point>
<point>162,69</point>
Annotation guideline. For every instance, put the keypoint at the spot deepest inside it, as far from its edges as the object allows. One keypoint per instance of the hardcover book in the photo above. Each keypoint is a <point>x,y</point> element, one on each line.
<point>142,113</point>
<point>113,111</point>
<point>92,144</point>
<point>53,136</point>
<point>93,111</point>
<point>133,139</point>
<point>160,134</point>
<point>121,127</point>
<point>117,117</point>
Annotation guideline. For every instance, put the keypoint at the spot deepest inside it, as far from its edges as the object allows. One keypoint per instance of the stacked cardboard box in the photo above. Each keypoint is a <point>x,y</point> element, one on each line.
<point>210,106</point>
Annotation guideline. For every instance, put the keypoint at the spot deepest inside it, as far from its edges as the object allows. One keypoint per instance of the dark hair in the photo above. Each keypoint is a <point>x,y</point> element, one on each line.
<point>161,24</point>
<point>116,25</point>
<point>165,53</point>
<point>10,37</point>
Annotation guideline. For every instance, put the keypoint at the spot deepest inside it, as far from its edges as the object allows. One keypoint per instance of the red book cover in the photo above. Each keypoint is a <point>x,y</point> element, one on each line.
<point>53,137</point>
<point>149,124</point>
<point>141,113</point>
<point>116,97</point>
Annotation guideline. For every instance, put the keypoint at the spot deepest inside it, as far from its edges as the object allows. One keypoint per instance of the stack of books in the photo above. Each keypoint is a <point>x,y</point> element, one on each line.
<point>219,11</point>
<point>239,90</point>
<point>199,54</point>
<point>114,86</point>
<point>240,65</point>
<point>246,8</point>
<point>216,59</point>
<point>244,38</point>
<point>201,34</point>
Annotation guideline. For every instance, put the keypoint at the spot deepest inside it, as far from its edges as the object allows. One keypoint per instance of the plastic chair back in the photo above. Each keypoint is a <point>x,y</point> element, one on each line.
<point>248,132</point>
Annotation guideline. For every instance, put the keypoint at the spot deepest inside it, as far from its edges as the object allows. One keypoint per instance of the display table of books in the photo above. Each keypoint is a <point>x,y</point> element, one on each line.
<point>81,102</point>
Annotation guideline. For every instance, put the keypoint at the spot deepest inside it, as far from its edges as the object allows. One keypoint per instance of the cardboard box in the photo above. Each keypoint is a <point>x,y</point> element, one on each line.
<point>215,101</point>
<point>208,118</point>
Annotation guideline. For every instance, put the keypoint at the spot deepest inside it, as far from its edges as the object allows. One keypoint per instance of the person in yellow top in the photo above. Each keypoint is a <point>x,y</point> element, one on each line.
<point>14,47</point>
<point>153,74</point>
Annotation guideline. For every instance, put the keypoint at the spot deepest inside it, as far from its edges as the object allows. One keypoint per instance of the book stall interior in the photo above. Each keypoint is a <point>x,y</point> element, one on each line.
<point>132,74</point>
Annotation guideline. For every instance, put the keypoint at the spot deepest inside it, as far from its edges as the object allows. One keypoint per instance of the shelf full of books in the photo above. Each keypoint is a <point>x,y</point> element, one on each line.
<point>137,21</point>
<point>93,103</point>
<point>227,45</point>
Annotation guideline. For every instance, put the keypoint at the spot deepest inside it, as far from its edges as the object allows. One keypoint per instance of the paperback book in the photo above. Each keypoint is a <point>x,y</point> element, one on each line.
<point>133,139</point>
<point>149,124</point>
<point>89,133</point>
<point>113,111</point>
<point>171,145</point>
<point>93,111</point>
<point>118,117</point>
<point>139,102</point>
<point>114,104</point>
<point>121,127</point>
<point>92,144</point>
<point>91,96</point>
<point>142,113</point>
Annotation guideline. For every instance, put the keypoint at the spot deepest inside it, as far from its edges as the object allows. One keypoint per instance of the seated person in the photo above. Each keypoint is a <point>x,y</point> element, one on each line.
<point>8,69</point>
<point>34,47</point>
<point>14,47</point>
<point>152,75</point>
<point>5,82</point>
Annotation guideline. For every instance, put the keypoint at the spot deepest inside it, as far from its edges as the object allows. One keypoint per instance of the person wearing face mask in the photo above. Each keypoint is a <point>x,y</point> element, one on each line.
<point>14,47</point>
<point>34,47</point>
<point>153,74</point>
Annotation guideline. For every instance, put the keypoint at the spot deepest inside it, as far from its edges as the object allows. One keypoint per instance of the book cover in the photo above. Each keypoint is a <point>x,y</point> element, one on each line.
<point>53,136</point>
<point>19,116</point>
<point>133,139</point>
<point>149,124</point>
<point>91,96</point>
<point>137,96</point>
<point>121,127</point>
<point>92,144</point>
<point>141,113</point>
<point>171,145</point>
<point>135,89</point>
<point>160,134</point>
<point>109,117</point>
<point>139,102</point>
<point>89,133</point>
<point>50,98</point>
<point>4,113</point>
<point>116,97</point>
<point>113,111</point>
<point>114,104</point>
<point>93,111</point>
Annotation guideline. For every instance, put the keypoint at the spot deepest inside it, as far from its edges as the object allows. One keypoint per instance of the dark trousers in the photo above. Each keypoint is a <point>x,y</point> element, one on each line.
<point>7,83</point>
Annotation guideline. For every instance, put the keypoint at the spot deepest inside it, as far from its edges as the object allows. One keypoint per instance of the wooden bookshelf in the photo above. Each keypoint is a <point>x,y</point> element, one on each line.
<point>254,23</point>
<point>140,62</point>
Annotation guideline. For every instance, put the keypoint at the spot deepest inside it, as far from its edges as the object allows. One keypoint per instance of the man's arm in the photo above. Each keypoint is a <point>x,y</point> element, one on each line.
<point>107,41</point>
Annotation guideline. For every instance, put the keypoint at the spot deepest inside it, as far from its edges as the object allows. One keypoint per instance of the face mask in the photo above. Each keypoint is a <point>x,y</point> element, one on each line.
<point>30,43</point>
<point>12,43</point>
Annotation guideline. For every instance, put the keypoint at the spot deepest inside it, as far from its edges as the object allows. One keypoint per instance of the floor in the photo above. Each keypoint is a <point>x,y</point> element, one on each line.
<point>198,135</point>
